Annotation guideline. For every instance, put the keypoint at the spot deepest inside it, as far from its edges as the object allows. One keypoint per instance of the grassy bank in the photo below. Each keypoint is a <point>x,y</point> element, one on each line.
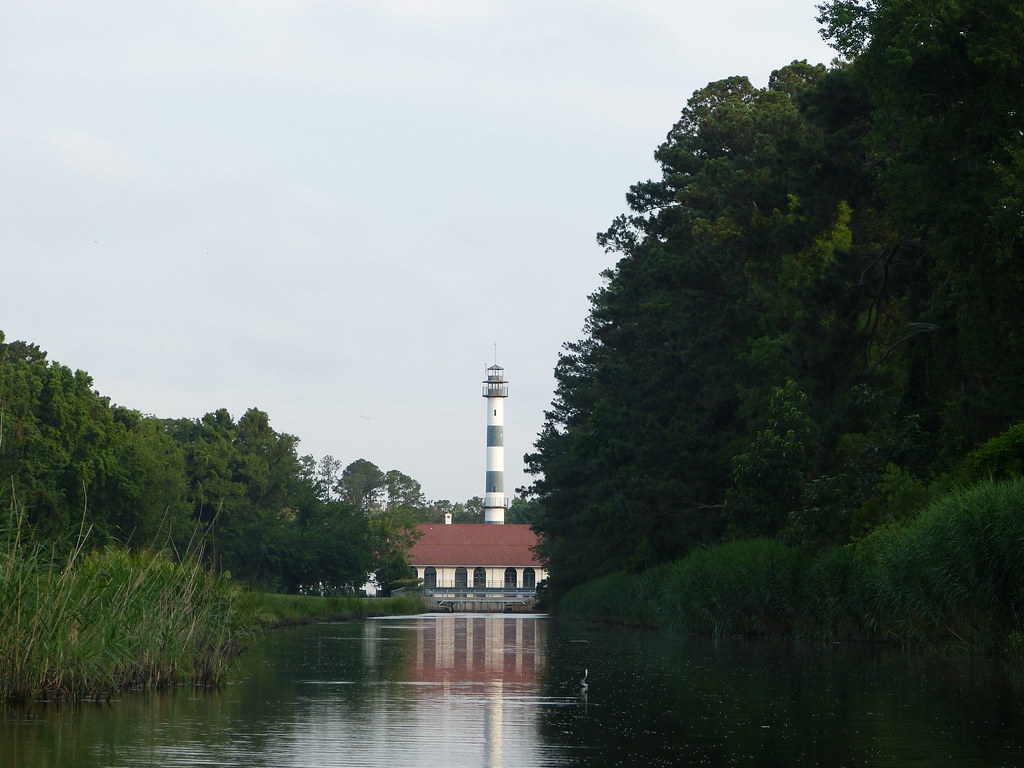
<point>80,624</point>
<point>273,610</point>
<point>86,624</point>
<point>952,577</point>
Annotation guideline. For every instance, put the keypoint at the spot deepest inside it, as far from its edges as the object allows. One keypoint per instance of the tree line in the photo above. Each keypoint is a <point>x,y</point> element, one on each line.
<point>238,489</point>
<point>815,324</point>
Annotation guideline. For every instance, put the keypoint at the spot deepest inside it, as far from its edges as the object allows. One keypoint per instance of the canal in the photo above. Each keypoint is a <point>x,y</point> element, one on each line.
<point>508,691</point>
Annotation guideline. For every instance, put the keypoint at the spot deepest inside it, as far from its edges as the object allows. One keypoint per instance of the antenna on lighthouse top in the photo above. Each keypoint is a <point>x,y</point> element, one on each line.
<point>495,353</point>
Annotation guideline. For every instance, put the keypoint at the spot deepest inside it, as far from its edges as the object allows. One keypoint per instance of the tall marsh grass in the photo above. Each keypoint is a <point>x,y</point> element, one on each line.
<point>748,587</point>
<point>953,577</point>
<point>619,598</point>
<point>89,623</point>
<point>956,575</point>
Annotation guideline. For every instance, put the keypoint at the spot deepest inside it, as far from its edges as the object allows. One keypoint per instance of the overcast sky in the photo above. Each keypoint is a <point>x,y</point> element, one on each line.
<point>333,210</point>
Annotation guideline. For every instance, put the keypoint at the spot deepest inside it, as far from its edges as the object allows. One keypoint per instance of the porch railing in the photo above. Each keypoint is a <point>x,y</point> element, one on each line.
<point>480,592</point>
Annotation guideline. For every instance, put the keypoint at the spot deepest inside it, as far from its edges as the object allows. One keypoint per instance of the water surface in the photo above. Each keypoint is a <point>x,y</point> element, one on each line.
<point>507,691</point>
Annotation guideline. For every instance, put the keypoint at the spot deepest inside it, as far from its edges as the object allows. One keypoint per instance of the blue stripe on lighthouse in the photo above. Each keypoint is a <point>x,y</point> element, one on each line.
<point>495,482</point>
<point>495,436</point>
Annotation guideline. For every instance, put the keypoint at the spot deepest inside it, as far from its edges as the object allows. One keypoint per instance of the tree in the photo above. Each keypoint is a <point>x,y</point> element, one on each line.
<point>632,464</point>
<point>362,486</point>
<point>945,146</point>
<point>327,475</point>
<point>402,492</point>
<point>471,511</point>
<point>244,480</point>
<point>393,504</point>
<point>144,494</point>
<point>521,511</point>
<point>328,551</point>
<point>767,480</point>
<point>71,458</point>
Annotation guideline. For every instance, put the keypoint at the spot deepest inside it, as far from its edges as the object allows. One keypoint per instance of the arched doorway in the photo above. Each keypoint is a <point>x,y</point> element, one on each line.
<point>430,577</point>
<point>529,578</point>
<point>479,578</point>
<point>511,578</point>
<point>461,578</point>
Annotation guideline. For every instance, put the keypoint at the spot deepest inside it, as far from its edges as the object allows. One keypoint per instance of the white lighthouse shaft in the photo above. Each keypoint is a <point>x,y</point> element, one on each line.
<point>495,390</point>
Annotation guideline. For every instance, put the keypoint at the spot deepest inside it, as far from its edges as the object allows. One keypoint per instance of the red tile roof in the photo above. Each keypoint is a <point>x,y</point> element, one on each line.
<point>474,544</point>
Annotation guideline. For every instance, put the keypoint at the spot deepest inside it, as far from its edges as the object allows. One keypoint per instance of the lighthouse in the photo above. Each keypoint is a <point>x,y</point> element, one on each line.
<point>495,391</point>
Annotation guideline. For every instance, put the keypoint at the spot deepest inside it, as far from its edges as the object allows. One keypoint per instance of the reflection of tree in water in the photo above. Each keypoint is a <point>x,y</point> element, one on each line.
<point>654,698</point>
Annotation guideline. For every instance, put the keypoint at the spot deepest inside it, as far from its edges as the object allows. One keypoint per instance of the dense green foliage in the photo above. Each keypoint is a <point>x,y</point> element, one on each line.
<point>70,459</point>
<point>953,577</point>
<point>815,322</point>
<point>87,623</point>
<point>65,451</point>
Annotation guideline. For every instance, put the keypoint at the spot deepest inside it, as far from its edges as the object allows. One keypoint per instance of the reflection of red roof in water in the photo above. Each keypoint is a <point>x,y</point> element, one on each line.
<point>474,648</point>
<point>474,544</point>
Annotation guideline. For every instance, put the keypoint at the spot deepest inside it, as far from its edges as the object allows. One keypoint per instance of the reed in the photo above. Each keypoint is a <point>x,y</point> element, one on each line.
<point>952,578</point>
<point>839,595</point>
<point>85,624</point>
<point>749,587</point>
<point>618,598</point>
<point>955,576</point>
<point>742,587</point>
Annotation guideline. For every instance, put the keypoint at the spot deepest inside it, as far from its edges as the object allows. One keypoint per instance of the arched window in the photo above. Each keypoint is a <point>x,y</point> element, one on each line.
<point>529,578</point>
<point>479,578</point>
<point>461,577</point>
<point>429,577</point>
<point>511,578</point>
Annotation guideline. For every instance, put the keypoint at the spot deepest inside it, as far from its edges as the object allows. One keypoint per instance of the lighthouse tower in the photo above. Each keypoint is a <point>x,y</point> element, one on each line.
<point>495,391</point>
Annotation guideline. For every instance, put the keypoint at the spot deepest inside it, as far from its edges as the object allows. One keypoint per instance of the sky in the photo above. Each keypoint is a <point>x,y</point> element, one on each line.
<point>341,212</point>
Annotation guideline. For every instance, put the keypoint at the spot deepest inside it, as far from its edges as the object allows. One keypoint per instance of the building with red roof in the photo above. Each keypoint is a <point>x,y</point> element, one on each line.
<point>474,557</point>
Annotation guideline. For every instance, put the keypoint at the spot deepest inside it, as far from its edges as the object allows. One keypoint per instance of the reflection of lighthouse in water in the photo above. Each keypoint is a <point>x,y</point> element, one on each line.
<point>476,662</point>
<point>495,390</point>
<point>494,721</point>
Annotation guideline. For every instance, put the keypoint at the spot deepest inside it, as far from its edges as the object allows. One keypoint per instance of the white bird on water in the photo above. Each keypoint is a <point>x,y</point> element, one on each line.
<point>583,680</point>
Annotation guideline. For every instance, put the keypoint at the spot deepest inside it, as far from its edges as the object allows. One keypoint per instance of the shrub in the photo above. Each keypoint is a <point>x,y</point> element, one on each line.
<point>1000,458</point>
